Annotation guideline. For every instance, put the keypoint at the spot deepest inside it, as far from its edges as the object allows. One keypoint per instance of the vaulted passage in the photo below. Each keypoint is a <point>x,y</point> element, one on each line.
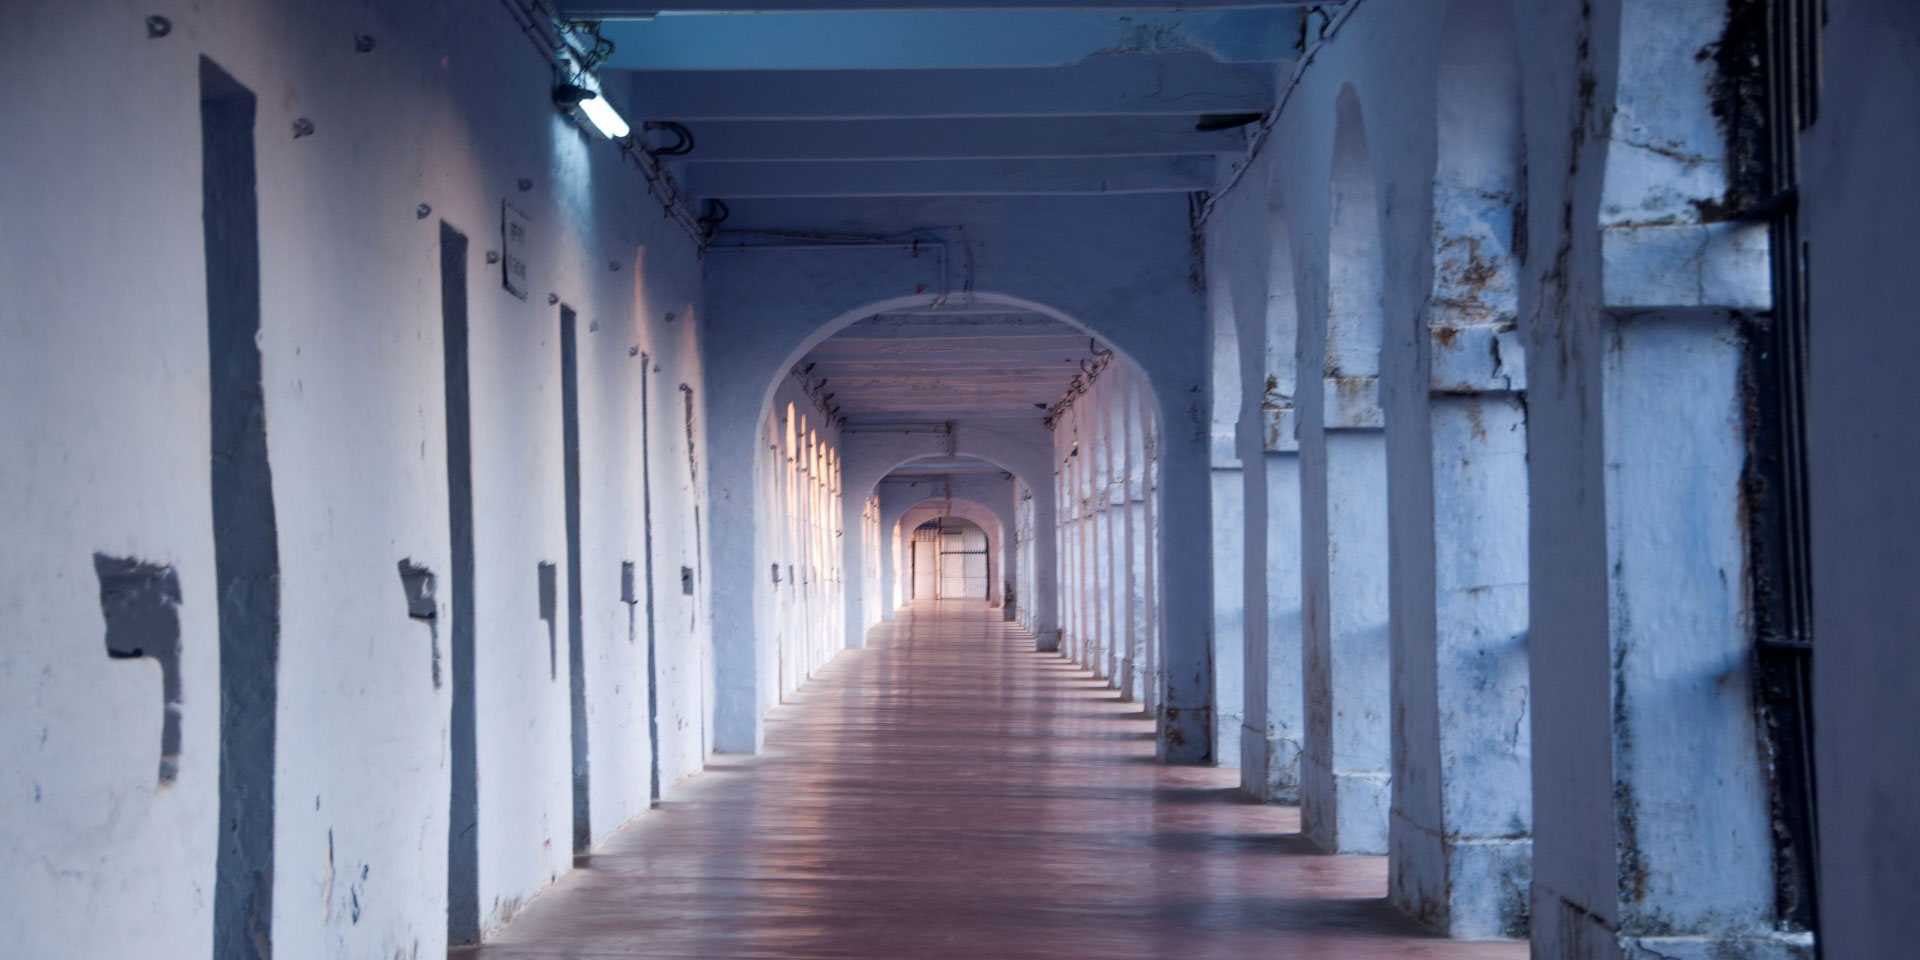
<point>948,792</point>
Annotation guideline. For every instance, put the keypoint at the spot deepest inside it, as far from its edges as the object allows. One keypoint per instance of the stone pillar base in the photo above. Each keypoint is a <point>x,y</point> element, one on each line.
<point>1563,929</point>
<point>1269,767</point>
<point>1488,881</point>
<point>1345,811</point>
<point>1778,946</point>
<point>1184,734</point>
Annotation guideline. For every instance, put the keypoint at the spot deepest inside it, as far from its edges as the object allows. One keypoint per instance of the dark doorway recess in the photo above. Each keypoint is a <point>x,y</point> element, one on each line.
<point>576,622</point>
<point>246,552</point>
<point>463,821</point>
<point>646,511</point>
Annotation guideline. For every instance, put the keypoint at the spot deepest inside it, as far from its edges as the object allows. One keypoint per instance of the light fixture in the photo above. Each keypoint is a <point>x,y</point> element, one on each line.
<point>1209,122</point>
<point>605,119</point>
<point>582,99</point>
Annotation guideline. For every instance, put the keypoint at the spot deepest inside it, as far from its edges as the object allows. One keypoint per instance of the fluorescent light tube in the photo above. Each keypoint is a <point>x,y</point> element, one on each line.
<point>604,118</point>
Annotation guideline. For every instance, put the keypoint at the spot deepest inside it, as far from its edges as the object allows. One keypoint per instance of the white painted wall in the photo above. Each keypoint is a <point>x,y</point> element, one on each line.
<point>107,438</point>
<point>817,533</point>
<point>446,112</point>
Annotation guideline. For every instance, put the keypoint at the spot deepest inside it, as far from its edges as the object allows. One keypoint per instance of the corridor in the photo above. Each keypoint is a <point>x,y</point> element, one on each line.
<point>1269,479</point>
<point>949,792</point>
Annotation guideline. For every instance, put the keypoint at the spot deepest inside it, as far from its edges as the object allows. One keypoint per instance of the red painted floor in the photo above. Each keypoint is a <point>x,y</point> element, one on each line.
<point>949,793</point>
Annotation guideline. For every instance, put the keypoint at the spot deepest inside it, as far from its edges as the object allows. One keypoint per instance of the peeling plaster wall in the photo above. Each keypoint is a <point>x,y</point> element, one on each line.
<point>111,430</point>
<point>1629,304</point>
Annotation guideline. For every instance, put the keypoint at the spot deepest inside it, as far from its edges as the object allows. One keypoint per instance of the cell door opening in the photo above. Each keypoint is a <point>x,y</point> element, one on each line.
<point>950,560</point>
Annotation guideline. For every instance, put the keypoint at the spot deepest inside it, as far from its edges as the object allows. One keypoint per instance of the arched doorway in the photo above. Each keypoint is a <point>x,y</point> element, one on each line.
<point>996,378</point>
<point>986,502</point>
<point>950,561</point>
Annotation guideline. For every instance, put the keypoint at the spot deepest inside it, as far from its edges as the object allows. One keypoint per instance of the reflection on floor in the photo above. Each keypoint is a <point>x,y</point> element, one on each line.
<point>947,792</point>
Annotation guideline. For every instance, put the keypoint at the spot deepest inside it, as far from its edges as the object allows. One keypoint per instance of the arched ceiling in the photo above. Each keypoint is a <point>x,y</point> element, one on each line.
<point>901,98</point>
<point>936,366</point>
<point>945,467</point>
<point>936,475</point>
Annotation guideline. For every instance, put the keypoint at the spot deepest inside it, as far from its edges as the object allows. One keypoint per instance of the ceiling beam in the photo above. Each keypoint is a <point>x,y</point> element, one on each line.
<point>1019,326</point>
<point>1059,373</point>
<point>641,9</point>
<point>922,139</point>
<point>922,478</point>
<point>959,461</point>
<point>937,395</point>
<point>950,178</point>
<point>955,308</point>
<point>1183,84</point>
<point>927,39</point>
<point>937,388</point>
<point>909,419</point>
<point>945,349</point>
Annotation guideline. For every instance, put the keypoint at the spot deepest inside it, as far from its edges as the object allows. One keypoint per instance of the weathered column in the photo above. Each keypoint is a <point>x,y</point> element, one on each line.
<point>1273,730</point>
<point>1028,598</point>
<point>1461,855</point>
<point>1083,535</point>
<point>1229,589</point>
<point>1654,834</point>
<point>1343,459</point>
<point>1064,531</point>
<point>1259,263</point>
<point>1344,780</point>
<point>1101,588</point>
<point>1139,602</point>
<point>1461,836</point>
<point>1115,495</point>
<point>1062,554</point>
<point>1155,652</point>
<point>1641,676</point>
<point>1081,452</point>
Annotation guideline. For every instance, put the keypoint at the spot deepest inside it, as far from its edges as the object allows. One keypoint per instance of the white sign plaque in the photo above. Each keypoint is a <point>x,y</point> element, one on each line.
<point>513,257</point>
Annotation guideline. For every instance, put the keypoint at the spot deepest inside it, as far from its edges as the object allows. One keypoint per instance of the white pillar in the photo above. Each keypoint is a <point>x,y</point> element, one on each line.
<point>1100,585</point>
<point>1133,491</point>
<point>1461,836</point>
<point>1154,653</point>
<point>1273,731</point>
